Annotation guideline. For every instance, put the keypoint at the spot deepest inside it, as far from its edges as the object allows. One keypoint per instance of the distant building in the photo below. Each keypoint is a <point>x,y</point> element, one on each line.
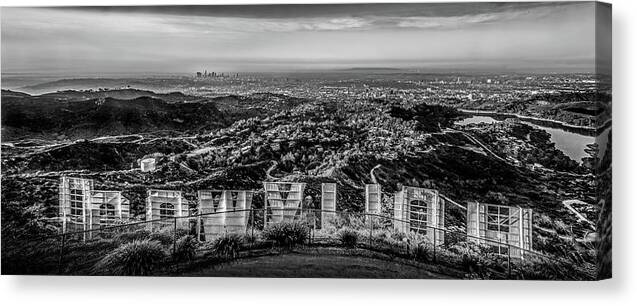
<point>501,226</point>
<point>283,201</point>
<point>420,210</point>
<point>227,209</point>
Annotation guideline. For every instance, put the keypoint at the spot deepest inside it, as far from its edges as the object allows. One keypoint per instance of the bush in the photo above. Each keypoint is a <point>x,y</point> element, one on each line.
<point>543,220</point>
<point>164,236</point>
<point>30,257</point>
<point>382,240</point>
<point>287,234</point>
<point>182,232</point>
<point>421,252</point>
<point>252,237</point>
<point>538,268</point>
<point>126,237</point>
<point>471,258</point>
<point>561,227</point>
<point>398,236</point>
<point>348,237</point>
<point>345,220</point>
<point>227,246</point>
<point>140,257</point>
<point>186,248</point>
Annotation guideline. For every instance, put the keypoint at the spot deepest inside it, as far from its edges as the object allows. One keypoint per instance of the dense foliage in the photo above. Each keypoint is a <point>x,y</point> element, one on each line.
<point>185,248</point>
<point>287,234</point>
<point>429,118</point>
<point>140,257</point>
<point>227,246</point>
<point>348,237</point>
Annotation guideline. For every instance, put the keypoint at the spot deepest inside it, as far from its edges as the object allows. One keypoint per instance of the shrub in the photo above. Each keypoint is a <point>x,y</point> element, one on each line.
<point>398,236</point>
<point>348,237</point>
<point>543,220</point>
<point>164,236</point>
<point>30,257</point>
<point>421,252</point>
<point>345,219</point>
<point>538,268</point>
<point>126,237</point>
<point>382,240</point>
<point>287,234</point>
<point>186,248</point>
<point>252,237</point>
<point>470,257</point>
<point>140,257</point>
<point>561,227</point>
<point>227,246</point>
<point>182,232</point>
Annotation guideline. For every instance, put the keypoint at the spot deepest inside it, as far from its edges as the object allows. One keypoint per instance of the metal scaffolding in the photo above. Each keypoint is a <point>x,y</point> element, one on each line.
<point>499,225</point>
<point>109,207</point>
<point>75,203</point>
<point>227,209</point>
<point>164,205</point>
<point>283,201</point>
<point>373,198</point>
<point>328,202</point>
<point>420,210</point>
<point>81,208</point>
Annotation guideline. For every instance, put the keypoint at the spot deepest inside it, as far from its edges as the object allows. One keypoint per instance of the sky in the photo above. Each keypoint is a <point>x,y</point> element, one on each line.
<point>520,37</point>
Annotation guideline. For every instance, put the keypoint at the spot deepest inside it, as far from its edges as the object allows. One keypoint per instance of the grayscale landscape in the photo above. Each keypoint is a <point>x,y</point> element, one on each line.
<point>450,141</point>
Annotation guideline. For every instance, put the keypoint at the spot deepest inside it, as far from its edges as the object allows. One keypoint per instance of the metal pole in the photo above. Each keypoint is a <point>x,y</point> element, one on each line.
<point>313,225</point>
<point>371,229</point>
<point>61,254</point>
<point>199,226</point>
<point>434,245</point>
<point>265,217</point>
<point>252,227</point>
<point>175,236</point>
<point>509,261</point>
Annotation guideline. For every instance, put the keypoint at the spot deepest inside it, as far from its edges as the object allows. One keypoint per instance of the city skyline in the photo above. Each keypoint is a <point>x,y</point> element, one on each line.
<point>517,37</point>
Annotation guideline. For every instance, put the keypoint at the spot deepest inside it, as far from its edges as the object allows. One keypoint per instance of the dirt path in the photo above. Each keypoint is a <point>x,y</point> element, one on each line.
<point>568,203</point>
<point>371,174</point>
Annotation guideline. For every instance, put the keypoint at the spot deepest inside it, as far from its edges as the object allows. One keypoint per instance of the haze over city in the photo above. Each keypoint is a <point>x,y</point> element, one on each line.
<point>545,37</point>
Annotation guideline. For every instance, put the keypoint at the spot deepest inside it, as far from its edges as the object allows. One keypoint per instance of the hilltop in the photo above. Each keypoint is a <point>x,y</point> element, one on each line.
<point>75,114</point>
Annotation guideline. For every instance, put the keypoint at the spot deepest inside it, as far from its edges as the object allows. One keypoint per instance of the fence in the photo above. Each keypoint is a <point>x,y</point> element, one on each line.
<point>70,253</point>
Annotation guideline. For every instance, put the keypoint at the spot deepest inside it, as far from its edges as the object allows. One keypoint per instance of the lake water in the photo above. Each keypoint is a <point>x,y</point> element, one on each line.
<point>572,144</point>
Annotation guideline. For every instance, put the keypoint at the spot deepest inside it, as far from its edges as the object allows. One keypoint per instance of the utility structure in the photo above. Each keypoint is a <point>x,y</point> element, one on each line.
<point>420,210</point>
<point>229,212</point>
<point>166,206</point>
<point>283,201</point>
<point>507,230</point>
<point>328,203</point>
<point>373,198</point>
<point>148,164</point>
<point>81,208</point>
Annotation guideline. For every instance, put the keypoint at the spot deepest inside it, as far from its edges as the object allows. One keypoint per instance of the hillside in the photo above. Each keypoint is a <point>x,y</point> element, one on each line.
<point>120,94</point>
<point>76,114</point>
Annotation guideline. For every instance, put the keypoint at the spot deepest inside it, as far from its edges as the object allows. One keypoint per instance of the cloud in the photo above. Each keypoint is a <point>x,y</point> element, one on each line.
<point>100,40</point>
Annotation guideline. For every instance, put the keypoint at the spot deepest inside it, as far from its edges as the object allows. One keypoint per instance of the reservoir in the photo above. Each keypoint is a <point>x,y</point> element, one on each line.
<point>572,144</point>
